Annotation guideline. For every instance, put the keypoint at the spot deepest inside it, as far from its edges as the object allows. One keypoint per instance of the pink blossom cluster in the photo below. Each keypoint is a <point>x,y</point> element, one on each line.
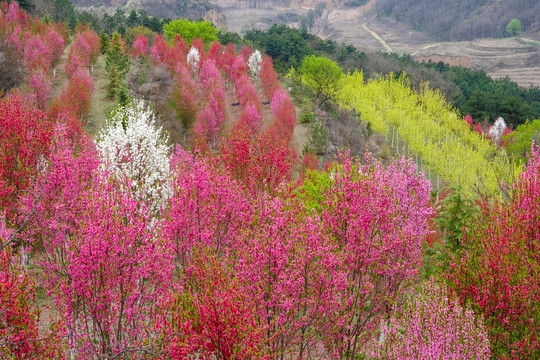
<point>319,282</point>
<point>236,263</point>
<point>103,261</point>
<point>200,92</point>
<point>172,56</point>
<point>211,115</point>
<point>284,116</point>
<point>216,53</point>
<point>432,326</point>
<point>140,46</point>
<point>39,45</point>
<point>83,52</point>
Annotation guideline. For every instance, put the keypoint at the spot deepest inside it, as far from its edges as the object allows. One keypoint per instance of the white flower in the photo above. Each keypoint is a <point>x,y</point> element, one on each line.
<point>132,147</point>
<point>255,63</point>
<point>497,130</point>
<point>193,58</point>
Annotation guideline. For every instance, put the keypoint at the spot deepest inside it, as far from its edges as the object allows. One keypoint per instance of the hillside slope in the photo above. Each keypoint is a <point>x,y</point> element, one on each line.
<point>160,8</point>
<point>462,19</point>
<point>346,22</point>
<point>517,58</point>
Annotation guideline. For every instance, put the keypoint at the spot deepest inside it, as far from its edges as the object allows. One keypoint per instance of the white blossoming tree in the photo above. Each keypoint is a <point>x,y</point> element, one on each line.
<point>497,130</point>
<point>193,58</point>
<point>132,147</point>
<point>255,63</point>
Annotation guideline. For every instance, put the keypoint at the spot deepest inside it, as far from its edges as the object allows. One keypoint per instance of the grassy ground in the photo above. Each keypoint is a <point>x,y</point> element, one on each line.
<point>100,106</point>
<point>59,80</point>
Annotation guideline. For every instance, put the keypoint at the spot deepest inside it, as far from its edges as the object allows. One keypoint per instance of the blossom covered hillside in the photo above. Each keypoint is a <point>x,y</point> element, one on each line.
<point>187,227</point>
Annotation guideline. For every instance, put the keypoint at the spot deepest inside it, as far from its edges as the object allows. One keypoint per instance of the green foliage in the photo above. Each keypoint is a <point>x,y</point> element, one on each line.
<point>356,3</point>
<point>285,45</point>
<point>84,17</point>
<point>435,260</point>
<point>477,105</point>
<point>46,18</point>
<point>307,117</point>
<point>486,97</point>
<point>514,27</point>
<point>322,75</point>
<point>456,215</point>
<point>226,37</point>
<point>116,65</point>
<point>521,140</point>
<point>64,11</point>
<point>514,111</point>
<point>145,67</point>
<point>115,79</point>
<point>132,19</point>
<point>318,142</point>
<point>311,192</point>
<point>104,40</point>
<point>190,30</point>
<point>122,94</point>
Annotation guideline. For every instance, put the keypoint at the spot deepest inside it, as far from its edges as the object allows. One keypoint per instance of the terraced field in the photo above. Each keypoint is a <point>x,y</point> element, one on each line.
<point>517,58</point>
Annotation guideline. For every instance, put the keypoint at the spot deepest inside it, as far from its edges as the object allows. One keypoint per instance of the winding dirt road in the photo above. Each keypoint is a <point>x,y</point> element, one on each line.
<point>424,48</point>
<point>376,36</point>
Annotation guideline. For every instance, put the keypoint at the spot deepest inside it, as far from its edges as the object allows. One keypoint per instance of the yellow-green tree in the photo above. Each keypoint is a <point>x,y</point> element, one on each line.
<point>514,27</point>
<point>433,131</point>
<point>190,30</point>
<point>322,75</point>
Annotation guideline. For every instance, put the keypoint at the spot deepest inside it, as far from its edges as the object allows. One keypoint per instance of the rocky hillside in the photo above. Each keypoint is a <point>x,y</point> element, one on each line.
<point>292,4</point>
<point>441,20</point>
<point>161,8</point>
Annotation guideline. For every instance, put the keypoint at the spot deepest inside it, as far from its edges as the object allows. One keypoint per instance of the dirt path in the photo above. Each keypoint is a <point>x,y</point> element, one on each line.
<point>424,48</point>
<point>379,39</point>
<point>59,80</point>
<point>530,41</point>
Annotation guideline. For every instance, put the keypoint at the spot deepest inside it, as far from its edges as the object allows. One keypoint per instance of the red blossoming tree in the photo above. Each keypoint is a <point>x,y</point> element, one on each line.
<point>26,136</point>
<point>500,274</point>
